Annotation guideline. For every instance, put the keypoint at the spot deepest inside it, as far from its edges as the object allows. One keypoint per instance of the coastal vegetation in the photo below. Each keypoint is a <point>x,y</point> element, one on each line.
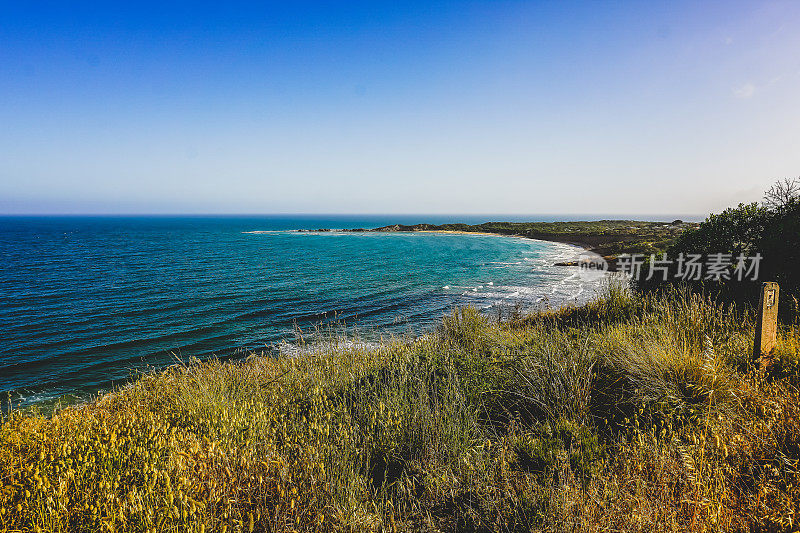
<point>770,229</point>
<point>634,412</point>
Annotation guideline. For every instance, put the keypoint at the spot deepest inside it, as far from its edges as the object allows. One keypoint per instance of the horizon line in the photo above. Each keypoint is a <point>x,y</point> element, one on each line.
<point>300,213</point>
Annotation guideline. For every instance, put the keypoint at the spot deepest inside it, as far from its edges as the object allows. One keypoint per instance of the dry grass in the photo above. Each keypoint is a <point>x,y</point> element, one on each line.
<point>631,413</point>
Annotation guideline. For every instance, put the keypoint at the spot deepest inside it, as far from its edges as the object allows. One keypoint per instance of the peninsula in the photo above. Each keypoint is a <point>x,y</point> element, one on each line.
<point>608,238</point>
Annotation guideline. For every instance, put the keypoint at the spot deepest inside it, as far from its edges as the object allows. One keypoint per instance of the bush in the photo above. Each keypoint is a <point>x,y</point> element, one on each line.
<point>771,230</point>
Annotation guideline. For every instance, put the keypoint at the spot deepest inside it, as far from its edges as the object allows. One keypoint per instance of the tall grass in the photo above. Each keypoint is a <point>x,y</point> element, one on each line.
<point>636,413</point>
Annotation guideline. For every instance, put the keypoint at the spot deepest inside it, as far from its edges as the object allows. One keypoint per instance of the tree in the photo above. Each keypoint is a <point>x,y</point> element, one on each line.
<point>771,230</point>
<point>737,230</point>
<point>782,193</point>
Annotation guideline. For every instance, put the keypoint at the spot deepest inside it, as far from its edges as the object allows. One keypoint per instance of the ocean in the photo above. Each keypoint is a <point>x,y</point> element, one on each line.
<point>86,302</point>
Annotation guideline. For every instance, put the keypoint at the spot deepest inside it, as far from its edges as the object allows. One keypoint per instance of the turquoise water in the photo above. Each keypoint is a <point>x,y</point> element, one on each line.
<point>84,301</point>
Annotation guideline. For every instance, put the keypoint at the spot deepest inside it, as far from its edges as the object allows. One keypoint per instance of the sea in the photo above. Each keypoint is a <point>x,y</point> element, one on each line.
<point>86,303</point>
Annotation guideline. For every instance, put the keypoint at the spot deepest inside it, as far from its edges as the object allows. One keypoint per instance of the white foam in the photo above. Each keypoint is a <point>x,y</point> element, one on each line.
<point>335,345</point>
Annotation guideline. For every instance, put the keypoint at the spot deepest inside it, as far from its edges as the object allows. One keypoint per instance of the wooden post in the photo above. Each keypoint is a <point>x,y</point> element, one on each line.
<point>766,325</point>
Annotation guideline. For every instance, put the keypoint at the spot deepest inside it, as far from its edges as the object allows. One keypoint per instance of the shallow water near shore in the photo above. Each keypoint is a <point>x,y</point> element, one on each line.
<point>84,301</point>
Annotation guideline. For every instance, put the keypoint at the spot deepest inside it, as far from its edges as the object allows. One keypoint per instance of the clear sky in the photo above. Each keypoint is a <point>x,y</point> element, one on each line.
<point>396,107</point>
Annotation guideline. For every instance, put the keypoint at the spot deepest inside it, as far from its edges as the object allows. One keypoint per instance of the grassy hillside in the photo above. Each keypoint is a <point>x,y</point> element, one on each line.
<point>635,413</point>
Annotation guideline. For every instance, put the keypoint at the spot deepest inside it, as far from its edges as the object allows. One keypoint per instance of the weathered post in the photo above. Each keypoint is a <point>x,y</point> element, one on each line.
<point>766,325</point>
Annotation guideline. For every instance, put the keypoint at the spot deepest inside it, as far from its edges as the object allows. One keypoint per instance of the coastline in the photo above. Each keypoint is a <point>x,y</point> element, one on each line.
<point>329,302</point>
<point>229,442</point>
<point>579,246</point>
<point>606,238</point>
<point>572,242</point>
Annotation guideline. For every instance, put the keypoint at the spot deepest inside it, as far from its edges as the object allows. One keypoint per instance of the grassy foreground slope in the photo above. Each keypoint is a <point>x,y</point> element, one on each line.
<point>635,413</point>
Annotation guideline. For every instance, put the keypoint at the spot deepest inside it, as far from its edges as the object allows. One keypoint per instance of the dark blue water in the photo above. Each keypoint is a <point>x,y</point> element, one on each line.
<point>85,300</point>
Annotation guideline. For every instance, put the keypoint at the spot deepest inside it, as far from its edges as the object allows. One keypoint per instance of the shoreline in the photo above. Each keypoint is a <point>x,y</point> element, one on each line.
<point>580,247</point>
<point>606,238</point>
<point>80,394</point>
<point>584,245</point>
<point>572,242</point>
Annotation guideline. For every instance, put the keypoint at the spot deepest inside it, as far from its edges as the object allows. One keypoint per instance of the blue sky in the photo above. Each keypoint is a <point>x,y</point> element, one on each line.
<point>401,107</point>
